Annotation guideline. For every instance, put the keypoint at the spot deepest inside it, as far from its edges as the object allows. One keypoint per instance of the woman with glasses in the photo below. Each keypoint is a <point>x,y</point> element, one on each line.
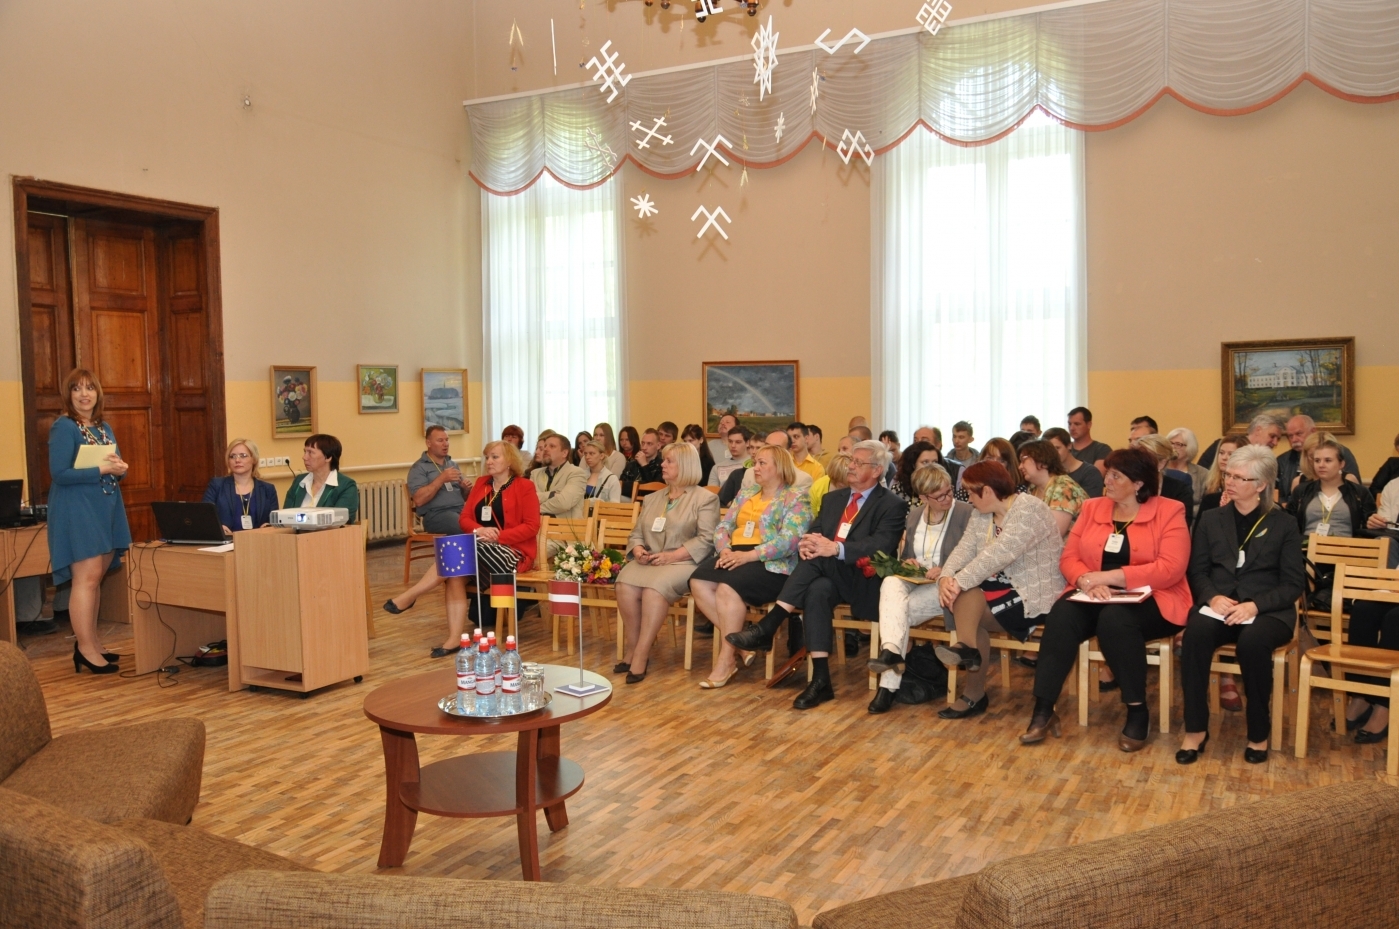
<point>87,527</point>
<point>933,529</point>
<point>243,499</point>
<point>1246,571</point>
<point>917,455</point>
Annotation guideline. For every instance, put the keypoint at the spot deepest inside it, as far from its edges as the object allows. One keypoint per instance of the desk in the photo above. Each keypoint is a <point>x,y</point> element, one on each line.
<point>25,553</point>
<point>196,595</point>
<point>516,783</point>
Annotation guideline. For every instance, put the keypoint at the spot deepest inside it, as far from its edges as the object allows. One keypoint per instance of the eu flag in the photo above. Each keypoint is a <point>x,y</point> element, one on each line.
<point>456,556</point>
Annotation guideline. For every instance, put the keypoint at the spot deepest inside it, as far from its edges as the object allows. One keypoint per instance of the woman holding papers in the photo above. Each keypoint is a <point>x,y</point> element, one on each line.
<point>1246,570</point>
<point>1132,538</point>
<point>87,518</point>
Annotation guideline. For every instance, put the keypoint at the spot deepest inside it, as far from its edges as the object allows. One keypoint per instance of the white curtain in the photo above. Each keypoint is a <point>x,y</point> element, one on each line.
<point>1088,66</point>
<point>980,300</point>
<point>552,298</point>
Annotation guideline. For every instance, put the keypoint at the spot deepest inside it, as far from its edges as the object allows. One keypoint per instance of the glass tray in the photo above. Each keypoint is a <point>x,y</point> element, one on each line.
<point>495,707</point>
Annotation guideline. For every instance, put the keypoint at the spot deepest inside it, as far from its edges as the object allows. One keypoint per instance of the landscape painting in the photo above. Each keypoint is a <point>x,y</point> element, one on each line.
<point>763,395</point>
<point>293,400</point>
<point>444,398</point>
<point>1315,377</point>
<point>378,388</point>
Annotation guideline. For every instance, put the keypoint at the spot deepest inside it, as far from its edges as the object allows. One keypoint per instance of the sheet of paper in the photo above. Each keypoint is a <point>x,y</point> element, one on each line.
<point>1130,595</point>
<point>225,547</point>
<point>92,456</point>
<point>1219,616</point>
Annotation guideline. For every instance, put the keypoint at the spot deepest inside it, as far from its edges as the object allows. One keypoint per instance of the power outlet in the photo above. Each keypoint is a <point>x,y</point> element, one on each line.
<point>272,462</point>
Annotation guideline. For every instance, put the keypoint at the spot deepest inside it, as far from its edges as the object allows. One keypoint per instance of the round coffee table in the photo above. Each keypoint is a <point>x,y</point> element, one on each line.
<point>484,784</point>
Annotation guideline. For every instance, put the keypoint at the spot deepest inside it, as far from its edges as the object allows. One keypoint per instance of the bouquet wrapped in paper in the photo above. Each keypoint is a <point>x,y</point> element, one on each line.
<point>882,565</point>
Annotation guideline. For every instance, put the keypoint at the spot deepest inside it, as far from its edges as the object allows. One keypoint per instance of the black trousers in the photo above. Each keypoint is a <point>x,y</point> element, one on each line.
<point>817,587</point>
<point>1376,625</point>
<point>1255,645</point>
<point>1123,629</point>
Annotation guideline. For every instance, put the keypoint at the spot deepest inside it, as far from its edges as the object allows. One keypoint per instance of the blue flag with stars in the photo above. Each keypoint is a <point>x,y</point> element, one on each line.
<point>456,556</point>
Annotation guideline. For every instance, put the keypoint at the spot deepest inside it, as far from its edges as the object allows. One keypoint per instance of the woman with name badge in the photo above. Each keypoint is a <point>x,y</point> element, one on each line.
<point>674,533</point>
<point>1246,572</point>
<point>1131,538</point>
<point>1330,505</point>
<point>603,484</point>
<point>323,485</point>
<point>87,528</point>
<point>243,499</point>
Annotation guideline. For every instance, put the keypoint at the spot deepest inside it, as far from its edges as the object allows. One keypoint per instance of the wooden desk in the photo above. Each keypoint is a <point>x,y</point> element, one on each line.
<point>182,598</point>
<point>25,553</point>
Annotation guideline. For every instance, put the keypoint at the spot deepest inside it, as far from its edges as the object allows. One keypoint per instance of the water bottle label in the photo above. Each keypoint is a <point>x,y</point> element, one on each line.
<point>499,677</point>
<point>510,685</point>
<point>485,686</point>
<point>466,682</point>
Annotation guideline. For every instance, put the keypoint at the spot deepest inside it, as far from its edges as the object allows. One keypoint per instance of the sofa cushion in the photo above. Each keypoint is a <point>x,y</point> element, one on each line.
<point>194,860</point>
<point>62,871</point>
<point>928,906</point>
<point>148,770</point>
<point>24,724</point>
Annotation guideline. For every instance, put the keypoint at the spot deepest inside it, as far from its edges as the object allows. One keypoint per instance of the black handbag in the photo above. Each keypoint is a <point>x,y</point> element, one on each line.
<point>924,678</point>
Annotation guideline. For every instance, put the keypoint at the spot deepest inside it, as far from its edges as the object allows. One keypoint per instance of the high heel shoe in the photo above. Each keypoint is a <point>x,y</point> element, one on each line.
<point>1192,755</point>
<point>80,661</point>
<point>1039,728</point>
<point>111,657</point>
<point>1366,737</point>
<point>635,678</point>
<point>959,656</point>
<point>711,684</point>
<point>393,608</point>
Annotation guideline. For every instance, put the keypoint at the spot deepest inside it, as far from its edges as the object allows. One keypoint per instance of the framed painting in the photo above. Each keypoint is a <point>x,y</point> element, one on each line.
<point>1289,377</point>
<point>762,395</point>
<point>378,388</point>
<point>294,398</point>
<point>444,399</point>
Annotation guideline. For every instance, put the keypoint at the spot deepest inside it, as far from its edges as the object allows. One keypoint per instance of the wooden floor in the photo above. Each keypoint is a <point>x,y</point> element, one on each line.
<point>727,790</point>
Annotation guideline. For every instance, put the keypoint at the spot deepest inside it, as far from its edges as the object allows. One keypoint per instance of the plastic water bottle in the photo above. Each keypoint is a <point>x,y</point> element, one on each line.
<point>466,671</point>
<point>497,655</point>
<point>486,668</point>
<point>510,667</point>
<point>476,638</point>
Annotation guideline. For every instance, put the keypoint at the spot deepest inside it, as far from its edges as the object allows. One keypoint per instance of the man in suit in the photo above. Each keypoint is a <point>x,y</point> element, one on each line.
<point>855,522</point>
<point>560,485</point>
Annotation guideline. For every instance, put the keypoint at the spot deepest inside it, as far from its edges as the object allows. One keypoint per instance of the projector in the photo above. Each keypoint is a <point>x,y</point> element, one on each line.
<point>311,517</point>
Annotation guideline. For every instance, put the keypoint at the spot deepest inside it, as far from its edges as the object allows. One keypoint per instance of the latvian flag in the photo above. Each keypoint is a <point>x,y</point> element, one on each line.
<point>565,597</point>
<point>503,590</point>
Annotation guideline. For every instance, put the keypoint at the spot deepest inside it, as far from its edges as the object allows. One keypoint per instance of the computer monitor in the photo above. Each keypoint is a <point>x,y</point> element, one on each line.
<point>11,493</point>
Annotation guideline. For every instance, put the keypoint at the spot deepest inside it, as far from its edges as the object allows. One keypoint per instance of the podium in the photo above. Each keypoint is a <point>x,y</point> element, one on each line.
<point>301,607</point>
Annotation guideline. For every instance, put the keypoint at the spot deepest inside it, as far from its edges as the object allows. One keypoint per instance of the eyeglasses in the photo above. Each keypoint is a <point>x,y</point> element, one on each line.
<point>858,463</point>
<point>1231,476</point>
<point>943,495</point>
<point>239,456</point>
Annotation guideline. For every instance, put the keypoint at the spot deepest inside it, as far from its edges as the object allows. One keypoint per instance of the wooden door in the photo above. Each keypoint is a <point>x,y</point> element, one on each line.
<point>189,416</point>
<point>51,341</point>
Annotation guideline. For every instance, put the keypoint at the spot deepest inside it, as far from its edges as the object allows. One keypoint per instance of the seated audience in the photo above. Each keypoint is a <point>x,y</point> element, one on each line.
<point>1043,471</point>
<point>856,522</point>
<point>575,457</point>
<point>1002,577</point>
<point>861,433</point>
<point>1184,448</point>
<point>962,453</point>
<point>1019,438</point>
<point>1329,504</point>
<point>628,443</point>
<point>890,438</point>
<point>1265,429</point>
<point>694,434</point>
<point>541,455</point>
<point>1373,624</point>
<point>736,457</point>
<point>917,455</point>
<point>737,482</point>
<point>846,445</point>
<point>1142,425</point>
<point>613,460</point>
<point>645,465</point>
<point>559,485</point>
<point>435,488</point>
<point>999,449</point>
<point>932,531</point>
<point>323,484</point>
<point>674,533</point>
<point>1129,537</point>
<point>1216,493</point>
<point>859,421</point>
<point>1084,475</point>
<point>1387,472</point>
<point>1031,424</point>
<point>1245,566</point>
<point>798,434</point>
<point>602,483</point>
<point>667,433</point>
<point>1290,463</point>
<point>514,435</point>
<point>718,446</point>
<point>243,499</point>
<point>814,439</point>
<point>834,479</point>
<point>1082,445</point>
<point>755,549</point>
<point>1174,486</point>
<point>930,434</point>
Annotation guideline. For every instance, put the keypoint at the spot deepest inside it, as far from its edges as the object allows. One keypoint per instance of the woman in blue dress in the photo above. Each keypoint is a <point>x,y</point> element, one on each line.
<point>243,499</point>
<point>87,518</point>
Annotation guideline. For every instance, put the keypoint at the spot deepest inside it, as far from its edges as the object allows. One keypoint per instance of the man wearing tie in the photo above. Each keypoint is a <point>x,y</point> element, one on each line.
<point>855,522</point>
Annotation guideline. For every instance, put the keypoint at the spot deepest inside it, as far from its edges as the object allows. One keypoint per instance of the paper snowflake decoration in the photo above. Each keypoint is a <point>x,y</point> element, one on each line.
<point>644,206</point>
<point>853,33</point>
<point>707,8</point>
<point>711,148</point>
<point>933,15</point>
<point>653,133</point>
<point>608,71</point>
<point>711,219</point>
<point>781,126</point>
<point>764,58</point>
<point>815,87</point>
<point>595,144</point>
<point>851,145</point>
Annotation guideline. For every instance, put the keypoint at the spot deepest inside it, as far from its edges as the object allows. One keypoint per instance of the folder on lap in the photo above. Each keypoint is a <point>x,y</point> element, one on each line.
<point>92,456</point>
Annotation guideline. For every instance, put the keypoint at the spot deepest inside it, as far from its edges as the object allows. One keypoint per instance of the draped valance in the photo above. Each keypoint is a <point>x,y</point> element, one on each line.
<point>1091,67</point>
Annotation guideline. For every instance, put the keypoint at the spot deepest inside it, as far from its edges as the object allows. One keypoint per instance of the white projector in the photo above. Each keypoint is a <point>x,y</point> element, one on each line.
<point>311,517</point>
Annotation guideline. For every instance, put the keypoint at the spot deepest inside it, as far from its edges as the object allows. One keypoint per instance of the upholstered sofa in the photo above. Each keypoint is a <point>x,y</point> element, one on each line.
<point>149,770</point>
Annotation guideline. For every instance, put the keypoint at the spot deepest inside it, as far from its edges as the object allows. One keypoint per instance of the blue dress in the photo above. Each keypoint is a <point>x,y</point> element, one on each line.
<point>86,514</point>
<point>224,495</point>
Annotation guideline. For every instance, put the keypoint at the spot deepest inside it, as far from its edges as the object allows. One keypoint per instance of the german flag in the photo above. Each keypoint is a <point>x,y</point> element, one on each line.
<point>503,590</point>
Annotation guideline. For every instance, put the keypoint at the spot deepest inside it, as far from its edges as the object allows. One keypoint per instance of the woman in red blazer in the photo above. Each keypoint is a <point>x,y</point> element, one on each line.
<point>1129,537</point>
<point>502,511</point>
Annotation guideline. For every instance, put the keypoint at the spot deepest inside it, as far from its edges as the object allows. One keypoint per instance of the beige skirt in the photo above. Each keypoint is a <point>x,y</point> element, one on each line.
<point>672,580</point>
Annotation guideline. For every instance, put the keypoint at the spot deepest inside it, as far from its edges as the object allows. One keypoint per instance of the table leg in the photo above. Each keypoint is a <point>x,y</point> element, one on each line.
<point>557,815</point>
<point>400,767</point>
<point>526,768</point>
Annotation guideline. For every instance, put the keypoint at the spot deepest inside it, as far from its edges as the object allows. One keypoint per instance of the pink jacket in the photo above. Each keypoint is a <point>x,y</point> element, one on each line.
<point>1160,544</point>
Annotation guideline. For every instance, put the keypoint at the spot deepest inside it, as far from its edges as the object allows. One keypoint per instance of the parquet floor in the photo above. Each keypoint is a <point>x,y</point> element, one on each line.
<point>728,790</point>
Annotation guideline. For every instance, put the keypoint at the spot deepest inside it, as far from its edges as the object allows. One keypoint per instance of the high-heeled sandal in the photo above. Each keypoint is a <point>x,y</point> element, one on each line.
<point>711,684</point>
<point>80,661</point>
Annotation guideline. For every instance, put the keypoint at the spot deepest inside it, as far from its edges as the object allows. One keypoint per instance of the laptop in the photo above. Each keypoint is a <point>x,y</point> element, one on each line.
<point>188,523</point>
<point>11,492</point>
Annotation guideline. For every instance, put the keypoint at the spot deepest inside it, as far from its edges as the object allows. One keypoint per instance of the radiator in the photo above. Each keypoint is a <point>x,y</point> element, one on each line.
<point>383,509</point>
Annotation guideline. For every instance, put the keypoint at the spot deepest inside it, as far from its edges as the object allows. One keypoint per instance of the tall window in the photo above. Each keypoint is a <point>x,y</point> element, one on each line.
<point>979,304</point>
<point>552,308</point>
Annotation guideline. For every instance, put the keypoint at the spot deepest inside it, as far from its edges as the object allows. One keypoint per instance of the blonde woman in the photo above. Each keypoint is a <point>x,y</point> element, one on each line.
<point>1216,494</point>
<point>602,481</point>
<point>837,470</point>
<point>613,460</point>
<point>673,534</point>
<point>243,499</point>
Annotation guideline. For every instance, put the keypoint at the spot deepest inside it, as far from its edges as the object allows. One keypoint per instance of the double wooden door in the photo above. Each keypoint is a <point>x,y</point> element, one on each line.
<point>125,299</point>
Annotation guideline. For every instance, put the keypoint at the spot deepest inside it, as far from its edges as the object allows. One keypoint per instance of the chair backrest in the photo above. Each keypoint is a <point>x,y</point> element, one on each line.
<point>560,529</point>
<point>1328,549</point>
<point>1354,582</point>
<point>609,536</point>
<point>641,490</point>
<point>24,719</point>
<point>617,514</point>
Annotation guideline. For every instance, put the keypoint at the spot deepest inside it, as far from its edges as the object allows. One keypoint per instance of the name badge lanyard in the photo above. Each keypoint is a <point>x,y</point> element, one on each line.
<point>937,544</point>
<point>440,469</point>
<point>1249,536</point>
<point>487,513</point>
<point>658,524</point>
<point>1324,527</point>
<point>1114,542</point>
<point>246,502</point>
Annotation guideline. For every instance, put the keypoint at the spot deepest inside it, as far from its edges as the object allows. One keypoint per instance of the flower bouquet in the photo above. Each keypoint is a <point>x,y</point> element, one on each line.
<point>882,565</point>
<point>607,564</point>
<point>573,562</point>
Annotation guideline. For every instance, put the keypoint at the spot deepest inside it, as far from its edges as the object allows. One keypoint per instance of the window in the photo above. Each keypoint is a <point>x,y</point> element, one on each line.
<point>552,308</point>
<point>979,282</point>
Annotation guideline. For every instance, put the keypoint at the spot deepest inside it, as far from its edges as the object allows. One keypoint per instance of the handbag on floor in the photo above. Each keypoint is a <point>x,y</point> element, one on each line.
<point>924,678</point>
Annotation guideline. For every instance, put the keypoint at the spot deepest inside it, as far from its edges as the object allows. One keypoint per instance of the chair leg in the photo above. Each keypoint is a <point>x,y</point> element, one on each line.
<point>621,638</point>
<point>1005,669</point>
<point>1279,705</point>
<point>690,632</point>
<point>1167,679</point>
<point>874,653</point>
<point>1215,708</point>
<point>1083,665</point>
<point>1304,707</point>
<point>1338,705</point>
<point>1391,762</point>
<point>407,562</point>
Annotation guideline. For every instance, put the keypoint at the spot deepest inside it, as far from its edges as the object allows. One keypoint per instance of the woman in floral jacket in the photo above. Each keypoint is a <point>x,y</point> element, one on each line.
<point>755,548</point>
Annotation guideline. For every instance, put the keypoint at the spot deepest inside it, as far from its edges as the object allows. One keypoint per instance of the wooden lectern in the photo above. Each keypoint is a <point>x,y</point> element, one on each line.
<point>301,607</point>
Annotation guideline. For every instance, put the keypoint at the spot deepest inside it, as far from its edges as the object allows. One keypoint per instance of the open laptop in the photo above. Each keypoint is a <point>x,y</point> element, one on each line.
<point>11,492</point>
<point>188,523</point>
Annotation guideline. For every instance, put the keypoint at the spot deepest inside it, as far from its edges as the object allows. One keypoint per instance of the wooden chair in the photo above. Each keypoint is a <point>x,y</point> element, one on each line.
<point>618,515</point>
<point>844,620</point>
<point>1159,653</point>
<point>641,490</point>
<point>420,543</point>
<point>1330,550</point>
<point>534,585</point>
<point>756,613</point>
<point>1226,661</point>
<point>1352,583</point>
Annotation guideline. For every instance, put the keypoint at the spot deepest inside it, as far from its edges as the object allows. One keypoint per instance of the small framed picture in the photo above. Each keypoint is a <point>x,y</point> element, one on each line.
<point>444,399</point>
<point>1315,377</point>
<point>762,395</point>
<point>378,388</point>
<point>294,398</point>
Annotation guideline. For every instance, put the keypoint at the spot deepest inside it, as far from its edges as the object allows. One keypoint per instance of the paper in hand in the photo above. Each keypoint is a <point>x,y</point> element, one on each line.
<point>1220,616</point>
